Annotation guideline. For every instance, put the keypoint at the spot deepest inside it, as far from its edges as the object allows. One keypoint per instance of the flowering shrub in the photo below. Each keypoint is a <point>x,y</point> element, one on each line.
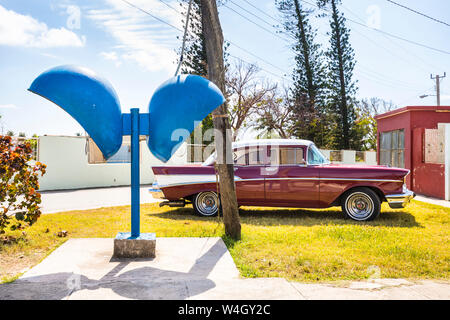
<point>18,184</point>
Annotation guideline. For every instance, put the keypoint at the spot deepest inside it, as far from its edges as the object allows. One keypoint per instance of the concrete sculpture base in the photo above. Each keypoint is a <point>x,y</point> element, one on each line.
<point>126,246</point>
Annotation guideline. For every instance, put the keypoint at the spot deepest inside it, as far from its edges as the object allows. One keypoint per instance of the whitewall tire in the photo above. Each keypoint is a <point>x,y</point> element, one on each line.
<point>361,204</point>
<point>206,204</point>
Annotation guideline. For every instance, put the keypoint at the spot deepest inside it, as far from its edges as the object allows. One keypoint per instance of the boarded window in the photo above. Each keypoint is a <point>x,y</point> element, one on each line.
<point>94,153</point>
<point>123,155</point>
<point>434,146</point>
<point>392,148</point>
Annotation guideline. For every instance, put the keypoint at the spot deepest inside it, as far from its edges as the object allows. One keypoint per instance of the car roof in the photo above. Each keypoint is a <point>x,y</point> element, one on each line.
<point>262,142</point>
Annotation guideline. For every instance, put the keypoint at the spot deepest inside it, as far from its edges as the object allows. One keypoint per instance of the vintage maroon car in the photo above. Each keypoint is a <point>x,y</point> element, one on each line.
<point>285,173</point>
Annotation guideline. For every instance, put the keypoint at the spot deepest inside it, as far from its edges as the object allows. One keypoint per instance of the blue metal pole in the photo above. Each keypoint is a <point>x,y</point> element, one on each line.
<point>135,181</point>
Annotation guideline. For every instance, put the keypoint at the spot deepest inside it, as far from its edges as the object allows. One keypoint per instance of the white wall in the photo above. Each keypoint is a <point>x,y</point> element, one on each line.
<point>68,167</point>
<point>446,129</point>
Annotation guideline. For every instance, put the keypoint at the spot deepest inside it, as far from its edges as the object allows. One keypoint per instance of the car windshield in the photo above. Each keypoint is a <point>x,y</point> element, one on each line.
<point>315,156</point>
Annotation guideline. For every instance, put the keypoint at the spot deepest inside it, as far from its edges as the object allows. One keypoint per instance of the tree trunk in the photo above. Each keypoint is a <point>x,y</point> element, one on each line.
<point>212,32</point>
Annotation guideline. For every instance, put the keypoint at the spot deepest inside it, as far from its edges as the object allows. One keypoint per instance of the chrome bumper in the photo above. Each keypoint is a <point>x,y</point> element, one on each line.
<point>398,201</point>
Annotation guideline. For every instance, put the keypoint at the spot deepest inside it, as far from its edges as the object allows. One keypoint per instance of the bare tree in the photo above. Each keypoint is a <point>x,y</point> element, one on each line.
<point>246,93</point>
<point>274,114</point>
<point>376,106</point>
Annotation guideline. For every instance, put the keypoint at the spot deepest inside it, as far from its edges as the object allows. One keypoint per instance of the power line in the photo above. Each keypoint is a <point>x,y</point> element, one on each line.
<point>418,12</point>
<point>267,15</point>
<point>257,24</point>
<point>388,34</point>
<point>232,43</point>
<point>256,16</point>
<point>257,57</point>
<point>373,77</point>
<point>169,6</point>
<point>388,81</point>
<point>393,42</point>
<point>270,72</point>
<point>151,15</point>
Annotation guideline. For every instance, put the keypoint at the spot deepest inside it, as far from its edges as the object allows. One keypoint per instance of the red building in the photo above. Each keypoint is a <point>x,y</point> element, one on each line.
<point>411,138</point>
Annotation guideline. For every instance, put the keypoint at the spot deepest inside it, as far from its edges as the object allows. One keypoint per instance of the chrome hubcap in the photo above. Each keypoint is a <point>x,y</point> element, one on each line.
<point>207,203</point>
<point>359,205</point>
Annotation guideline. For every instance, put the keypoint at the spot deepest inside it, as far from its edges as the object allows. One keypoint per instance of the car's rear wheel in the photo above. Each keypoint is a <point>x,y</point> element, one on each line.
<point>206,203</point>
<point>361,204</point>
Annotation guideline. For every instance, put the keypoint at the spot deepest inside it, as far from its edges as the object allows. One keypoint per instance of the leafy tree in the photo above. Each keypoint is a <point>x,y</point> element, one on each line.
<point>19,198</point>
<point>365,124</point>
<point>342,88</point>
<point>10,133</point>
<point>308,91</point>
<point>22,134</point>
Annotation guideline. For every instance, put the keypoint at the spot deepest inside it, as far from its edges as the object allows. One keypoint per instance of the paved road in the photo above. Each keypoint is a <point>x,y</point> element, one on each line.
<point>184,268</point>
<point>84,199</point>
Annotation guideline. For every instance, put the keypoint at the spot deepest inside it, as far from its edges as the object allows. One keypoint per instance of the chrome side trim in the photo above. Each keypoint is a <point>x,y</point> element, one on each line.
<point>334,179</point>
<point>351,179</point>
<point>290,178</point>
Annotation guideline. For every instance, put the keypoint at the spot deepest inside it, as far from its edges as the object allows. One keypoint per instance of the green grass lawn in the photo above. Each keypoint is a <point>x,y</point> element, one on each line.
<point>298,244</point>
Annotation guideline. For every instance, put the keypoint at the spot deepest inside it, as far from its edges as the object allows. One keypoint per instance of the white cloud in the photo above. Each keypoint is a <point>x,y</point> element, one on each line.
<point>21,30</point>
<point>111,56</point>
<point>141,38</point>
<point>8,106</point>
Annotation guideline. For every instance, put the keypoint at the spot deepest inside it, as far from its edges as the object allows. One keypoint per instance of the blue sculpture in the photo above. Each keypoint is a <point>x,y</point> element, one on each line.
<point>92,101</point>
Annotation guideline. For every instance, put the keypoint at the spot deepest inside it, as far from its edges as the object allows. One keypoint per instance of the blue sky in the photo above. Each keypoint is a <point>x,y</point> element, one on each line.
<point>136,53</point>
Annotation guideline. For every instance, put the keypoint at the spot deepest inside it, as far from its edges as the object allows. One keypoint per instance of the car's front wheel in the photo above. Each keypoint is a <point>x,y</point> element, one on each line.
<point>206,203</point>
<point>361,204</point>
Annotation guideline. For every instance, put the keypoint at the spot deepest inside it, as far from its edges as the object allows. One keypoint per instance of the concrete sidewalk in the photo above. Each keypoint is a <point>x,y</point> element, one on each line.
<point>184,268</point>
<point>84,199</point>
<point>430,200</point>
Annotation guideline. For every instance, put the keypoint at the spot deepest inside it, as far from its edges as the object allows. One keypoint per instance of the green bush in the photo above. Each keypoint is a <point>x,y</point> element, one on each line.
<point>19,199</point>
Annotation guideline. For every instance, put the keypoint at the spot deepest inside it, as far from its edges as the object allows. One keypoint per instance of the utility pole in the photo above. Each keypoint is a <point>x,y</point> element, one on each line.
<point>438,90</point>
<point>212,31</point>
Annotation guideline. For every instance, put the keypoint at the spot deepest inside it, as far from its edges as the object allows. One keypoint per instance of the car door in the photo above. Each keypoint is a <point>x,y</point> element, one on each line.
<point>289,180</point>
<point>249,163</point>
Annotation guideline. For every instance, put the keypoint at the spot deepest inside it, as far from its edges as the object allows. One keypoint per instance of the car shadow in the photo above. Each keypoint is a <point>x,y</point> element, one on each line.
<point>144,283</point>
<point>299,217</point>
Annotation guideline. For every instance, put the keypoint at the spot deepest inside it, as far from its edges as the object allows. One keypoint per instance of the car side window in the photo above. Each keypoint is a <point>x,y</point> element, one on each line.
<point>246,157</point>
<point>287,156</point>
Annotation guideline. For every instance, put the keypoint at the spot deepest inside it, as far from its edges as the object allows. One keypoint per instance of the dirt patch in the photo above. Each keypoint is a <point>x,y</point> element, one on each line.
<point>13,265</point>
